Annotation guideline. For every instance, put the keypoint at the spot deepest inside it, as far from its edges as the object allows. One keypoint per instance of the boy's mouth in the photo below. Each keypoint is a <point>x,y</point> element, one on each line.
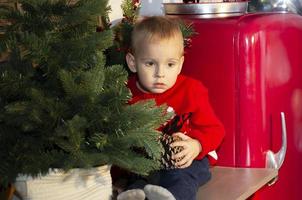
<point>159,85</point>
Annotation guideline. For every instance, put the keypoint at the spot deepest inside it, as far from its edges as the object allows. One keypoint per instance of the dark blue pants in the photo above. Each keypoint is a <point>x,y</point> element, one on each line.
<point>182,183</point>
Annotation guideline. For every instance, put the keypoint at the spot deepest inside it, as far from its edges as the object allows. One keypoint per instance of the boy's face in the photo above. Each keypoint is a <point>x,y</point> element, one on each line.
<point>157,64</point>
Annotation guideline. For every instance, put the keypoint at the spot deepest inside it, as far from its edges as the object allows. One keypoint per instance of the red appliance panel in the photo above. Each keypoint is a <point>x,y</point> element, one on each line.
<point>270,79</point>
<point>212,61</point>
<point>253,70</point>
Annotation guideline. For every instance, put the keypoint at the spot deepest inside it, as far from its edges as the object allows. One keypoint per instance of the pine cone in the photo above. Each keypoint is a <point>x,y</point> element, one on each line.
<point>166,160</point>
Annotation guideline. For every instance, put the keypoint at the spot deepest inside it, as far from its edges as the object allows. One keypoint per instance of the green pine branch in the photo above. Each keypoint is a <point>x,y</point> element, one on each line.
<point>61,104</point>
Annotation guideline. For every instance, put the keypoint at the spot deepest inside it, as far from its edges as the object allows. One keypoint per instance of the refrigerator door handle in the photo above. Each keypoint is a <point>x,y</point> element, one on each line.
<point>275,160</point>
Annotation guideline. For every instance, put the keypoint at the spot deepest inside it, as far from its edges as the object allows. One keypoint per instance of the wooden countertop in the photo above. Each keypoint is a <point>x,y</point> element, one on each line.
<point>229,183</point>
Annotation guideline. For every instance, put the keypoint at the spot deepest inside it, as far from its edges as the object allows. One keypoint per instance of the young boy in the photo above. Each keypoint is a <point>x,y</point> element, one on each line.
<point>156,60</point>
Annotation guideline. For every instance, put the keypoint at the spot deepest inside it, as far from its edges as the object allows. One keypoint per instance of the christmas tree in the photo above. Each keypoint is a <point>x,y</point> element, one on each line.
<point>61,105</point>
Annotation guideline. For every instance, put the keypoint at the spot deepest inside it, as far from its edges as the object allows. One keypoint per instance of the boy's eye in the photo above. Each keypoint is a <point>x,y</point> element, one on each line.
<point>149,63</point>
<point>171,64</point>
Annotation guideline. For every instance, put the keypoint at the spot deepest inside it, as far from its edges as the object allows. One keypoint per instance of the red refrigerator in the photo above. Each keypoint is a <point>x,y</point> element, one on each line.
<point>252,66</point>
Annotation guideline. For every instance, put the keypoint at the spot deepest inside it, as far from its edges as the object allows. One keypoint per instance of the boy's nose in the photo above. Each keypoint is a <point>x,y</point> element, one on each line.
<point>160,75</point>
<point>160,72</point>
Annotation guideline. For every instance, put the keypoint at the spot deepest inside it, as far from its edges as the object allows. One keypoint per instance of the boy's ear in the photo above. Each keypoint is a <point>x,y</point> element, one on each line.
<point>181,63</point>
<point>131,62</point>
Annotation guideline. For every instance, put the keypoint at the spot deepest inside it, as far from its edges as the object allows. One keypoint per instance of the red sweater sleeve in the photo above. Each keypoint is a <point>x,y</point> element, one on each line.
<point>188,96</point>
<point>205,126</point>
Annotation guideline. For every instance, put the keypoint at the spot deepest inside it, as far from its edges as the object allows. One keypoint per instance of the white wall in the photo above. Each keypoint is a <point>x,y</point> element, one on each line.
<point>148,7</point>
<point>116,14</point>
<point>154,7</point>
<point>151,7</point>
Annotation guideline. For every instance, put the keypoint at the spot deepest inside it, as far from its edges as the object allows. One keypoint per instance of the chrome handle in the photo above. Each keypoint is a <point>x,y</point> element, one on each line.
<point>275,160</point>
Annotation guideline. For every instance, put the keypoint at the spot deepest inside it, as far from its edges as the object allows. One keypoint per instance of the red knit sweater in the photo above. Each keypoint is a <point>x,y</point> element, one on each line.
<point>194,115</point>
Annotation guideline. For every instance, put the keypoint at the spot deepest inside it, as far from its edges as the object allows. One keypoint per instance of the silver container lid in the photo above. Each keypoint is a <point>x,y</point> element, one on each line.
<point>209,9</point>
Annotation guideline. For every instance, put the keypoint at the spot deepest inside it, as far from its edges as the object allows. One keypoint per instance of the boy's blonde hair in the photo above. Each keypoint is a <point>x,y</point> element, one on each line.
<point>154,28</point>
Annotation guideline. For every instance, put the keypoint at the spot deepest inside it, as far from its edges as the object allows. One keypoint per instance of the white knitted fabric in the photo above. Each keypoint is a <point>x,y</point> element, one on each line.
<point>77,184</point>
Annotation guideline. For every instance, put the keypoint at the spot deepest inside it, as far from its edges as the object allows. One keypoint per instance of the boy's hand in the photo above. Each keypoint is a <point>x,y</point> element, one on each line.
<point>191,150</point>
